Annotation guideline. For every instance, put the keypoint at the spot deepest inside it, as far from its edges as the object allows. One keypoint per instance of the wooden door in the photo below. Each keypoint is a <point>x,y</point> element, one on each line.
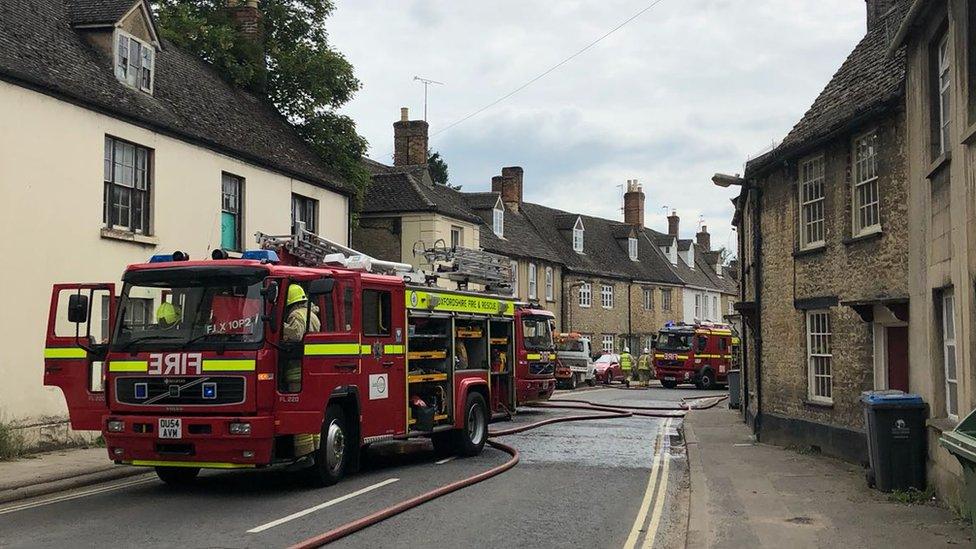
<point>896,338</point>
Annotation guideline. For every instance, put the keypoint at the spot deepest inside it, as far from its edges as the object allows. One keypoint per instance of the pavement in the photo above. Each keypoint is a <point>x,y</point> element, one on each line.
<point>53,472</point>
<point>745,494</point>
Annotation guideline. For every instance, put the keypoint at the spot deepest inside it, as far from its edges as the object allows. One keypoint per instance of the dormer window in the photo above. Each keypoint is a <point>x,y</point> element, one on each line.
<point>498,220</point>
<point>632,248</point>
<point>134,61</point>
<point>578,236</point>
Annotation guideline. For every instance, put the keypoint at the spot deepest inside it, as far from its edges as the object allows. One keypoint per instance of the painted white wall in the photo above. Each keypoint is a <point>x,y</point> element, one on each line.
<point>51,187</point>
<point>688,305</point>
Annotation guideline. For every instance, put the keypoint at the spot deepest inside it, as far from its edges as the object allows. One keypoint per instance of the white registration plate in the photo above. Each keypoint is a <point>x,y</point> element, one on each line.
<point>669,378</point>
<point>170,427</point>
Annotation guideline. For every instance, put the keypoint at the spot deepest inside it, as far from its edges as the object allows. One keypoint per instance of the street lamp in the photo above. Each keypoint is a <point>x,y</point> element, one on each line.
<point>723,180</point>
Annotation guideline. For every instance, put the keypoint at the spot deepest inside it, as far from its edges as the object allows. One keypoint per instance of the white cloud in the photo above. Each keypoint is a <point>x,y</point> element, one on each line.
<point>690,88</point>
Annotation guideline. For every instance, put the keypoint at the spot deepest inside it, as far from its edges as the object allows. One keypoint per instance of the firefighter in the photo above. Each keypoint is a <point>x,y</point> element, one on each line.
<point>167,315</point>
<point>297,323</point>
<point>644,368</point>
<point>626,365</point>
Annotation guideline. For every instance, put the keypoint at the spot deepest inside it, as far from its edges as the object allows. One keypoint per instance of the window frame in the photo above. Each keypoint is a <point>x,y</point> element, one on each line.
<point>606,296</point>
<point>515,277</point>
<point>715,310</point>
<point>949,344</point>
<point>109,186</point>
<point>632,248</point>
<point>857,228</point>
<point>498,221</point>
<point>812,204</point>
<point>607,342</point>
<point>300,199</point>
<point>457,236</point>
<point>698,306</point>
<point>579,236</point>
<point>140,69</point>
<point>533,282</point>
<point>666,296</point>
<point>943,81</point>
<point>814,388</point>
<point>238,214</point>
<point>385,300</point>
<point>648,298</point>
<point>585,295</point>
<point>550,285</point>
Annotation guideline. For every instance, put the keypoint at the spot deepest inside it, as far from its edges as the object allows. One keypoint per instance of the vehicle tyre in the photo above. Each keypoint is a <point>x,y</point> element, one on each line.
<point>669,384</point>
<point>591,382</point>
<point>177,476</point>
<point>573,381</point>
<point>332,457</point>
<point>706,380</point>
<point>470,439</point>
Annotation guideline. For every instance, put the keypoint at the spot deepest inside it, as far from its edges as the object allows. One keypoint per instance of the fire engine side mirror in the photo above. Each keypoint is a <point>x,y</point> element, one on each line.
<point>270,292</point>
<point>321,286</point>
<point>78,308</point>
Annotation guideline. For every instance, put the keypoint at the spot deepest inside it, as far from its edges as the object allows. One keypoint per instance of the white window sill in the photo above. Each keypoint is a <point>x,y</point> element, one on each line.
<point>126,236</point>
<point>819,402</point>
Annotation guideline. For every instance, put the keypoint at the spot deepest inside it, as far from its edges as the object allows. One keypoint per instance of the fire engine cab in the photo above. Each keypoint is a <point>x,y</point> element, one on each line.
<point>226,363</point>
<point>698,353</point>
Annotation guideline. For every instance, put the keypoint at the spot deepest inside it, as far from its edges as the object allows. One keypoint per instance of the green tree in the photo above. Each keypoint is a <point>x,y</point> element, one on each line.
<point>437,168</point>
<point>292,66</point>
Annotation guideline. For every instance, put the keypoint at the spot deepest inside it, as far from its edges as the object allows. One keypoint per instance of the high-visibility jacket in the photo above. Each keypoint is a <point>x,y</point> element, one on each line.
<point>626,361</point>
<point>644,362</point>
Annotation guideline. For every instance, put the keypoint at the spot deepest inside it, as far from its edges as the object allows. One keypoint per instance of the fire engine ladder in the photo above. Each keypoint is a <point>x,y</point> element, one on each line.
<point>313,250</point>
<point>467,266</point>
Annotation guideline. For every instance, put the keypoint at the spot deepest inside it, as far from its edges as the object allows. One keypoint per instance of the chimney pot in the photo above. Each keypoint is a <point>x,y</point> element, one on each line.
<point>673,220</point>
<point>410,140</point>
<point>634,204</point>
<point>404,114</point>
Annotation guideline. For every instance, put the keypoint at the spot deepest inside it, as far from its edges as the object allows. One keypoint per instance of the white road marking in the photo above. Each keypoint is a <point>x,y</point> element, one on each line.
<point>635,530</point>
<point>445,460</point>
<point>659,498</point>
<point>74,495</point>
<point>321,506</point>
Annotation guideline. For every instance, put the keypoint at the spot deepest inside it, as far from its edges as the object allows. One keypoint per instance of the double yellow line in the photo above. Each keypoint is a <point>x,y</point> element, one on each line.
<point>656,493</point>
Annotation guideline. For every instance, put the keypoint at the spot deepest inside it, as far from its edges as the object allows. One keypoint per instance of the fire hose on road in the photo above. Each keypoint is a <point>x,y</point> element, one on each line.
<point>606,411</point>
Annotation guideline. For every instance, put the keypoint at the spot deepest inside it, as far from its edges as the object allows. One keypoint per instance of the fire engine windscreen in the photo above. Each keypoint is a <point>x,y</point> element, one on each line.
<point>674,341</point>
<point>200,310</point>
<point>538,333</point>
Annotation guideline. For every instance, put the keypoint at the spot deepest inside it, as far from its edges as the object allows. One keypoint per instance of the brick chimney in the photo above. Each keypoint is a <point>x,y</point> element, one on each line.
<point>249,22</point>
<point>509,185</point>
<point>704,239</point>
<point>673,224</point>
<point>877,9</point>
<point>634,204</point>
<point>409,141</point>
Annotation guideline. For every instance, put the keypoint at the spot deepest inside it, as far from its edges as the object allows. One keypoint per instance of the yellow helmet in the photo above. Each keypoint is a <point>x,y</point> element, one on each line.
<point>168,313</point>
<point>296,294</point>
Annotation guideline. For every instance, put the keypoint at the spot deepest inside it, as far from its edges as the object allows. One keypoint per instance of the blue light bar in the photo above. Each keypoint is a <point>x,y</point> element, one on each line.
<point>161,258</point>
<point>261,255</point>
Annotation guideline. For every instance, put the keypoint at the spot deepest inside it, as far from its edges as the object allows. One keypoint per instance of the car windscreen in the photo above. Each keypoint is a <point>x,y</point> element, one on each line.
<point>569,345</point>
<point>537,333</point>
<point>607,359</point>
<point>674,341</point>
<point>190,310</point>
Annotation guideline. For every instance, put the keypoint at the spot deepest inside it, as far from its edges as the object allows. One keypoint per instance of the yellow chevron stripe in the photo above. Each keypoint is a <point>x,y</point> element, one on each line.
<point>65,352</point>
<point>128,366</point>
<point>217,365</point>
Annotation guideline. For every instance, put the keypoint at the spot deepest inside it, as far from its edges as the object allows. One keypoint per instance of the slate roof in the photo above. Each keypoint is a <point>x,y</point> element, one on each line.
<point>40,50</point>
<point>867,84</point>
<point>482,201</point>
<point>684,244</point>
<point>408,189</point>
<point>92,12</point>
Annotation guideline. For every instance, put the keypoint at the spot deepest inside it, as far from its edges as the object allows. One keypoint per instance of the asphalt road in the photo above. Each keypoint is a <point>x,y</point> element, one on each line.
<point>580,484</point>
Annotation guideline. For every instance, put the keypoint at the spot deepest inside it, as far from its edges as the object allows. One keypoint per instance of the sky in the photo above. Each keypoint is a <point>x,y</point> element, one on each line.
<point>690,88</point>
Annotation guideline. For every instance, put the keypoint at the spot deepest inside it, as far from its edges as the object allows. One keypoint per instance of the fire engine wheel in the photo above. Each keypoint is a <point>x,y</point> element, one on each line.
<point>177,476</point>
<point>332,457</point>
<point>706,381</point>
<point>669,384</point>
<point>470,439</point>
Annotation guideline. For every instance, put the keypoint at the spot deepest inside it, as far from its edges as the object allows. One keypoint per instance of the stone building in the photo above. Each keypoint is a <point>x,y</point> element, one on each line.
<point>941,121</point>
<point>114,146</point>
<point>823,227</point>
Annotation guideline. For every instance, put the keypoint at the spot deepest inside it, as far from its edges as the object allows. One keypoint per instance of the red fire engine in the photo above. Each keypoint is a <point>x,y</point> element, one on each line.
<point>196,365</point>
<point>698,353</point>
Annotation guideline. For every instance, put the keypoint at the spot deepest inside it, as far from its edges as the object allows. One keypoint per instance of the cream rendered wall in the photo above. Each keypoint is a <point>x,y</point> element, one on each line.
<point>51,155</point>
<point>429,228</point>
<point>522,291</point>
<point>688,300</point>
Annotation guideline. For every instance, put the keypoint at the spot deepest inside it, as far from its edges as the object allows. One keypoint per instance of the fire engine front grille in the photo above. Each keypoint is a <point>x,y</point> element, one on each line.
<point>541,368</point>
<point>182,391</point>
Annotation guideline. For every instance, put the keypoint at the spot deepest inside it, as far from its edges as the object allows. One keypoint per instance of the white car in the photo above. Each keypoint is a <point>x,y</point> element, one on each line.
<point>574,353</point>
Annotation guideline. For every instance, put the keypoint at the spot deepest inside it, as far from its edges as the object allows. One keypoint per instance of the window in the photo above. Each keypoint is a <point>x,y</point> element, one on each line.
<point>376,313</point>
<point>632,248</point>
<point>585,295</point>
<point>457,236</point>
<point>306,210</point>
<point>578,236</point>
<point>606,296</point>
<point>128,178</point>
<point>550,285</point>
<point>867,205</point>
<point>515,279</point>
<point>134,61</point>
<point>231,229</point>
<point>666,299</point>
<point>715,311</point>
<point>348,306</point>
<point>698,306</point>
<point>949,354</point>
<point>812,203</point>
<point>944,86</point>
<point>607,343</point>
<point>819,356</point>
<point>533,281</point>
<point>648,299</point>
<point>498,221</point>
